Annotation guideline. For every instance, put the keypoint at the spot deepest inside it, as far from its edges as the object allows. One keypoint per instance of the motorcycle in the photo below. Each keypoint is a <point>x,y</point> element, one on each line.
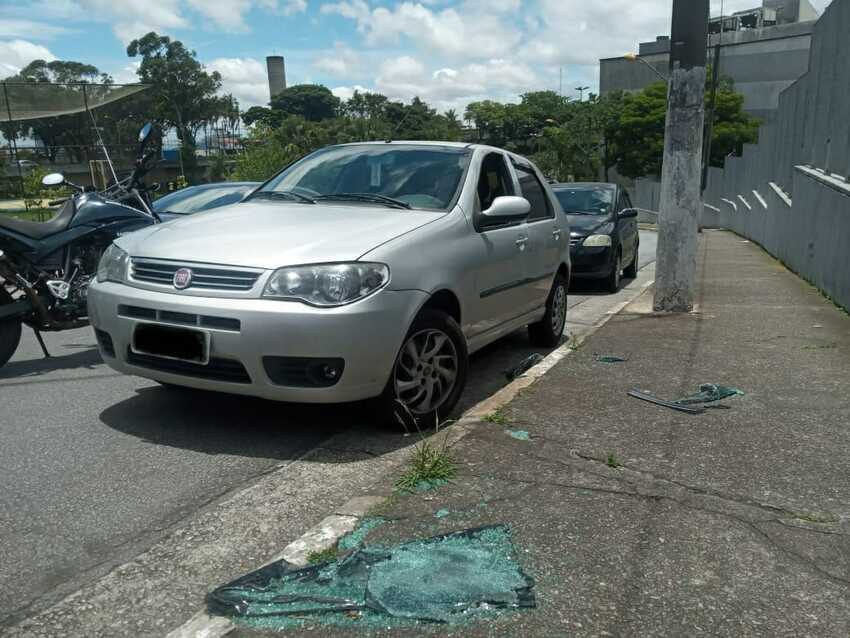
<point>46,267</point>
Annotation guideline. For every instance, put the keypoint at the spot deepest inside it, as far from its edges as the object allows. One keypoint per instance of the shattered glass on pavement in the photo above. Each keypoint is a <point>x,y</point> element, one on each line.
<point>444,579</point>
<point>709,392</point>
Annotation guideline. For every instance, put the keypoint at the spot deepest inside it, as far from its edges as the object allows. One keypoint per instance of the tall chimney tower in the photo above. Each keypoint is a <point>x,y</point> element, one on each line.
<point>277,74</point>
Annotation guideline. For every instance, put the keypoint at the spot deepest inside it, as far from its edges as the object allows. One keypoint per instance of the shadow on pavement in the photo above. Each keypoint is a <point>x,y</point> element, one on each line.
<point>86,356</point>
<point>215,423</point>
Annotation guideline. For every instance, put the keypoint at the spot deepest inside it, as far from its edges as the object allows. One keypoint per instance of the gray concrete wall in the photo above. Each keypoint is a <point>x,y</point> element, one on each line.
<point>790,193</point>
<point>761,62</point>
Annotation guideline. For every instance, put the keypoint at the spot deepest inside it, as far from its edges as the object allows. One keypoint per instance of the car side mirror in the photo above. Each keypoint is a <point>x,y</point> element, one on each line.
<point>53,179</point>
<point>628,213</point>
<point>507,209</point>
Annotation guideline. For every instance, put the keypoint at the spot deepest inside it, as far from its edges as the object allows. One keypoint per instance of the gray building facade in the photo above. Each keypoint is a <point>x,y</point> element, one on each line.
<point>763,50</point>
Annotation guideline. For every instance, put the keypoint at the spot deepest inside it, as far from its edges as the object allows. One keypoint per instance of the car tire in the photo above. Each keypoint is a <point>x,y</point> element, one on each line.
<point>612,281</point>
<point>630,271</point>
<point>547,332</point>
<point>433,335</point>
<point>10,331</point>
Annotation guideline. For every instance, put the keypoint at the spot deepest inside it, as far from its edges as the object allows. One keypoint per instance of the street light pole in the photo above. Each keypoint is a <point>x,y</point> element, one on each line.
<point>634,57</point>
<point>581,90</point>
<point>681,201</point>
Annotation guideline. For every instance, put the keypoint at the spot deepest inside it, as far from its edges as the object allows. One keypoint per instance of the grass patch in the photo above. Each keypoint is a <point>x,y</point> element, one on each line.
<point>613,461</point>
<point>815,518</point>
<point>497,418</point>
<point>430,466</point>
<point>820,346</point>
<point>323,555</point>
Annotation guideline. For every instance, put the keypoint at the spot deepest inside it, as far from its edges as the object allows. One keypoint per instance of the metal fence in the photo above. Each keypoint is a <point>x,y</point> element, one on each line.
<point>72,127</point>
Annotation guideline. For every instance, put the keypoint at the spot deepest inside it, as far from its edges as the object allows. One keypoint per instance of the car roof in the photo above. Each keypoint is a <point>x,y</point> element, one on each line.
<point>582,185</point>
<point>411,143</point>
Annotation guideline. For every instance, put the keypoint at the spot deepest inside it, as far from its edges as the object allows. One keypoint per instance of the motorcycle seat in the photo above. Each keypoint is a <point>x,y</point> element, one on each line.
<point>40,230</point>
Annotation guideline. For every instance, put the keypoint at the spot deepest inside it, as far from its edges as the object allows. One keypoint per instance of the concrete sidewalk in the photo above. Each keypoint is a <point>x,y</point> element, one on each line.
<point>636,520</point>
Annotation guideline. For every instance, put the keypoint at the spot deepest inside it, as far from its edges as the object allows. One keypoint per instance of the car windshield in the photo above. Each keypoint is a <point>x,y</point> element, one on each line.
<point>394,175</point>
<point>586,200</point>
<point>193,200</point>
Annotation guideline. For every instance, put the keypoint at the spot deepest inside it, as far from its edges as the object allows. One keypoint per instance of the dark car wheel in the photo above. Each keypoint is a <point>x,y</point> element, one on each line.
<point>630,271</point>
<point>547,332</point>
<point>429,374</point>
<point>612,281</point>
<point>10,331</point>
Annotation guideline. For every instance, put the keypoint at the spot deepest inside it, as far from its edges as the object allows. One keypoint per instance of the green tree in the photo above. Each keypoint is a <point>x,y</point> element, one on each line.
<point>638,139</point>
<point>732,127</point>
<point>262,115</point>
<point>184,94</point>
<point>313,102</point>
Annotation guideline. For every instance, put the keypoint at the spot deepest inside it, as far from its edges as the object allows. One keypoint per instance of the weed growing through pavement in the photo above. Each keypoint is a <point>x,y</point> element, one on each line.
<point>822,346</point>
<point>323,555</point>
<point>497,418</point>
<point>429,466</point>
<point>613,461</point>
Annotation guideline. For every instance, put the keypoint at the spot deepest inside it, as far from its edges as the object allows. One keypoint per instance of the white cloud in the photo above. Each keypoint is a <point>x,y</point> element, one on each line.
<point>132,19</point>
<point>404,77</point>
<point>293,7</point>
<point>245,78</point>
<point>449,31</point>
<point>345,92</point>
<point>341,61</point>
<point>229,15</point>
<point>16,54</point>
<point>13,28</point>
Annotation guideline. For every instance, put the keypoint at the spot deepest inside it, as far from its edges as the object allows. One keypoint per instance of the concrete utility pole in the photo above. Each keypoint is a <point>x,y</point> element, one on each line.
<point>681,200</point>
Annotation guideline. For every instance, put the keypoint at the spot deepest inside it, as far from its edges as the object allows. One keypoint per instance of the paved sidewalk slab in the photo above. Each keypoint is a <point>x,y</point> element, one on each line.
<point>636,520</point>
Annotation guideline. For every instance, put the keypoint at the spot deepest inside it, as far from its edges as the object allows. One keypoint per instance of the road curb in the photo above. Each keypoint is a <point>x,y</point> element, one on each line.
<point>333,527</point>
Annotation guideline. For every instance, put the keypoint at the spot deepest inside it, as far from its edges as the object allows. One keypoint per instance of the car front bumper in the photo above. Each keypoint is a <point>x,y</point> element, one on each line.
<point>591,262</point>
<point>366,335</point>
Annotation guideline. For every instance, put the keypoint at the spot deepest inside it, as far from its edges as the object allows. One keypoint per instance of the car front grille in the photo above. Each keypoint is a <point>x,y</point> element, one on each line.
<point>576,241</point>
<point>206,276</point>
<point>183,318</point>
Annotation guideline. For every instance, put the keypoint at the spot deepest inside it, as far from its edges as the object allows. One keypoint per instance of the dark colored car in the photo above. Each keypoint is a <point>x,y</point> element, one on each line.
<point>194,199</point>
<point>604,238</point>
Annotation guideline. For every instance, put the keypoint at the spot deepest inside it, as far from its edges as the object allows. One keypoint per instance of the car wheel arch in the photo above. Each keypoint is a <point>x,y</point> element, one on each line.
<point>446,301</point>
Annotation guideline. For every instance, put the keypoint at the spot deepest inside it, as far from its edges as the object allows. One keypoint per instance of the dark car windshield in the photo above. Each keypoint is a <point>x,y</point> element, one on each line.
<point>397,175</point>
<point>197,198</point>
<point>586,200</point>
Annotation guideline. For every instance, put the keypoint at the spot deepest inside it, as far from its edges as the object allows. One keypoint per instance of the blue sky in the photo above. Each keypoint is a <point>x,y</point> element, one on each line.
<point>449,52</point>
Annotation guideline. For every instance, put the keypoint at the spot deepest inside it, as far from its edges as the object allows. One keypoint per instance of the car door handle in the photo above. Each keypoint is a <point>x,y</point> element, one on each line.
<point>556,234</point>
<point>521,241</point>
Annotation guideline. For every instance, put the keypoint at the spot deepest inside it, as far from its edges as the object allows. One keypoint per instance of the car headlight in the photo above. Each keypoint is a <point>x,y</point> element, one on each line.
<point>327,284</point>
<point>597,240</point>
<point>113,265</point>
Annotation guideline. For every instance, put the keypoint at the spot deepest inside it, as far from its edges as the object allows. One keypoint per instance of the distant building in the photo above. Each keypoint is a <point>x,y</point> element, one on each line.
<point>277,74</point>
<point>763,50</point>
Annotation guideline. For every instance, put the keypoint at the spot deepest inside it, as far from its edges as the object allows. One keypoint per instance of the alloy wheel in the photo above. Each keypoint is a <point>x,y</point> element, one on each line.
<point>425,371</point>
<point>559,309</point>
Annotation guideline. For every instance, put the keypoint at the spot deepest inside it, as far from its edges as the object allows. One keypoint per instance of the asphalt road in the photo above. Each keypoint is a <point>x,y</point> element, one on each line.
<point>96,466</point>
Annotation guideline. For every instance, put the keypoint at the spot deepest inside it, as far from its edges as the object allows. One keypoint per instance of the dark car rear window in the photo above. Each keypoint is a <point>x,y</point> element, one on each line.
<point>592,200</point>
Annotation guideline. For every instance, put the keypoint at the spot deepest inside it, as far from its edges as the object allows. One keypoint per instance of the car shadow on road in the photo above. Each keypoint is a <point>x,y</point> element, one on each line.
<point>85,356</point>
<point>216,423</point>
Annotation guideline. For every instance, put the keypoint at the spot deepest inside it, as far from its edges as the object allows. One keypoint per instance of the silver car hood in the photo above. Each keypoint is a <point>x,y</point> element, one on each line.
<point>275,234</point>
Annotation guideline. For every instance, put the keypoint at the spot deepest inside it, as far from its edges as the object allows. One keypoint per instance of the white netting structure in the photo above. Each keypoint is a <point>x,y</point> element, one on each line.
<point>23,101</point>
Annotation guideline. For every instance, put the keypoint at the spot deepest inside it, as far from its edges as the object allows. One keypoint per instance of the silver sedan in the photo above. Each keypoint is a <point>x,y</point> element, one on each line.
<point>361,271</point>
